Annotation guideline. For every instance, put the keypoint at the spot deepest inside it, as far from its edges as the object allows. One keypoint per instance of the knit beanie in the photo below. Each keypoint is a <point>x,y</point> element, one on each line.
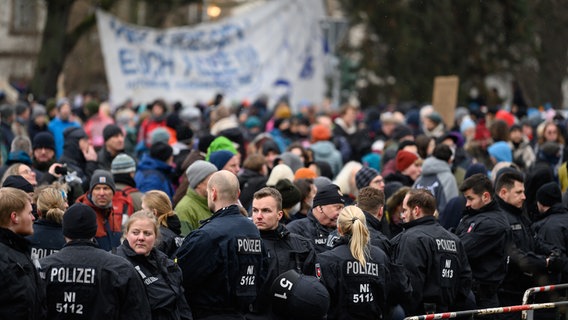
<point>401,131</point>
<point>279,172</point>
<point>466,124</point>
<point>321,182</point>
<point>304,173</point>
<point>405,159</point>
<point>220,143</point>
<point>79,222</point>
<point>435,117</point>
<point>18,182</point>
<point>364,176</point>
<point>161,151</point>
<point>43,140</point>
<point>159,134</point>
<point>110,131</point>
<point>220,158</point>
<point>501,151</point>
<point>549,194</point>
<point>101,176</point>
<point>292,160</point>
<point>475,168</point>
<point>122,163</point>
<point>320,132</point>
<point>198,171</point>
<point>329,194</point>
<point>291,195</point>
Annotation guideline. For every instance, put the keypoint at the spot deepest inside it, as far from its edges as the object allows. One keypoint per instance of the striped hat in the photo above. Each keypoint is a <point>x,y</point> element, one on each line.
<point>123,163</point>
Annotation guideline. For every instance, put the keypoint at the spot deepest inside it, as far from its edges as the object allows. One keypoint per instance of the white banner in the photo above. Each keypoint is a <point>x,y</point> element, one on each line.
<point>275,49</point>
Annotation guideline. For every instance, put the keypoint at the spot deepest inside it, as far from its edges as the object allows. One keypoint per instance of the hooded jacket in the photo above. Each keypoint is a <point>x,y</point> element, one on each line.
<point>326,151</point>
<point>437,177</point>
<point>153,174</point>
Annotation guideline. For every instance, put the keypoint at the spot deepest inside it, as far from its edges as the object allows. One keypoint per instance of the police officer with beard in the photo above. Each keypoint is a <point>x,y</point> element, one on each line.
<point>435,258</point>
<point>85,282</point>
<point>285,250</point>
<point>322,220</point>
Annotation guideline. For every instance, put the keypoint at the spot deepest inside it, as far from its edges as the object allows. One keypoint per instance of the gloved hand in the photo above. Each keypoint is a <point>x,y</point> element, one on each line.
<point>555,263</point>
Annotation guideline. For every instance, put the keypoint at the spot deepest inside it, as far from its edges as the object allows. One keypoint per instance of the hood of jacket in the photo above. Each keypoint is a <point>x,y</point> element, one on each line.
<point>148,162</point>
<point>433,165</point>
<point>323,148</point>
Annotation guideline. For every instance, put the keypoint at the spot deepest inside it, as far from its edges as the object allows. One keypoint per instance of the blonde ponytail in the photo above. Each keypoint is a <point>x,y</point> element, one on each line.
<point>159,202</point>
<point>352,222</point>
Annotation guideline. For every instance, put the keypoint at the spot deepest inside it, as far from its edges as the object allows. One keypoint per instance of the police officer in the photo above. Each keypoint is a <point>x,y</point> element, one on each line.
<point>435,258</point>
<point>527,257</point>
<point>485,235</point>
<point>285,250</point>
<point>322,220</point>
<point>355,273</point>
<point>21,294</point>
<point>222,261</point>
<point>85,282</point>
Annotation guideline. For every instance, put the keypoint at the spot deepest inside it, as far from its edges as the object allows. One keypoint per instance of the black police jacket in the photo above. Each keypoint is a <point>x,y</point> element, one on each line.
<point>437,266</point>
<point>22,294</point>
<point>356,291</point>
<point>485,235</point>
<point>285,251</point>
<point>47,238</point>
<point>222,265</point>
<point>163,281</point>
<point>86,282</point>
<point>526,256</point>
<point>552,227</point>
<point>311,229</point>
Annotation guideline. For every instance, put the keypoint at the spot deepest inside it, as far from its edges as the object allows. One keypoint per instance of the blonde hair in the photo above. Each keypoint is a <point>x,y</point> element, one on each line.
<point>11,200</point>
<point>141,215</point>
<point>159,202</point>
<point>12,170</point>
<point>51,204</point>
<point>352,222</point>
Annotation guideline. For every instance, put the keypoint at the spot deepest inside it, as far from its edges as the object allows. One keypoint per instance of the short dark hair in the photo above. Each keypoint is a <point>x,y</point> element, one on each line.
<point>422,198</point>
<point>507,180</point>
<point>370,199</point>
<point>479,183</point>
<point>443,152</point>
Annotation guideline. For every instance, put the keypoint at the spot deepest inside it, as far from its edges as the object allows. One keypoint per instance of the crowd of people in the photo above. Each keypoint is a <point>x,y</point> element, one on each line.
<point>254,211</point>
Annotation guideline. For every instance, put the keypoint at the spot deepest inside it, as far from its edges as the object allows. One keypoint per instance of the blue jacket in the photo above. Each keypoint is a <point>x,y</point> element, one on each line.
<point>152,174</point>
<point>56,127</point>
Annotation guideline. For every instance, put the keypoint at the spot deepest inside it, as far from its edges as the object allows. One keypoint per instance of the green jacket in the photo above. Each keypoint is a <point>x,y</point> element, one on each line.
<point>191,209</point>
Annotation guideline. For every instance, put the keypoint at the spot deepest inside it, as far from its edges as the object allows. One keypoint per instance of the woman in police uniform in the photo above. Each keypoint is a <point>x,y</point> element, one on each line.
<point>161,276</point>
<point>354,272</point>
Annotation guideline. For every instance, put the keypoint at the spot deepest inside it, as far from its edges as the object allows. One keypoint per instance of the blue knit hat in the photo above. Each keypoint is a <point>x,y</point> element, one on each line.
<point>220,158</point>
<point>501,151</point>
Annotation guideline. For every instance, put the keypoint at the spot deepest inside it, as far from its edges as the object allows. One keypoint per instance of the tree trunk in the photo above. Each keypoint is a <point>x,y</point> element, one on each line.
<point>53,49</point>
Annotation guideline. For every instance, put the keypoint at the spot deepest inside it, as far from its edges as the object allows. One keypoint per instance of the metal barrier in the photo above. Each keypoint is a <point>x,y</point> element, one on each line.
<point>488,311</point>
<point>529,314</point>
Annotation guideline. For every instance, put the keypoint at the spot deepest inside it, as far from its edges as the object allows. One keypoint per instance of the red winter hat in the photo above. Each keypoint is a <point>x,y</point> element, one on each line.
<point>405,159</point>
<point>320,132</point>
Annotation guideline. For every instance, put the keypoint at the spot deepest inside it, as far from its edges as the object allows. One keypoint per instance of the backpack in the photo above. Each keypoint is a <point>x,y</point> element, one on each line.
<point>122,202</point>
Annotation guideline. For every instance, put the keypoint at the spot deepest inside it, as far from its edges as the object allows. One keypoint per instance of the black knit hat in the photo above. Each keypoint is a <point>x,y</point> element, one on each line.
<point>291,195</point>
<point>43,140</point>
<point>549,194</point>
<point>329,194</point>
<point>80,222</point>
<point>298,296</point>
<point>18,182</point>
<point>161,151</point>
<point>111,130</point>
<point>364,176</point>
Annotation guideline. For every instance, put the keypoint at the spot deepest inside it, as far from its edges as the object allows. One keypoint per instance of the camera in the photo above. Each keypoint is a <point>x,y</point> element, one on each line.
<point>62,170</point>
